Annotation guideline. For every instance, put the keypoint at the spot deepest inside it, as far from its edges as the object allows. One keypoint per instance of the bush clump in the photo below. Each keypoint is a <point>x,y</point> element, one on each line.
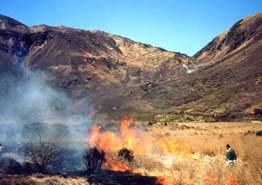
<point>126,154</point>
<point>93,159</point>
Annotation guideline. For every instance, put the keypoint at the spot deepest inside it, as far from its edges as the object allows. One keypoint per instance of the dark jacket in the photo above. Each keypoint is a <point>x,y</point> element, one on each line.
<point>231,154</point>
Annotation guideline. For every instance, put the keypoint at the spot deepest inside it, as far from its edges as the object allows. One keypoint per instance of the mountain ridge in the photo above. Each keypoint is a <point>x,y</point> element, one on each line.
<point>241,31</point>
<point>126,77</point>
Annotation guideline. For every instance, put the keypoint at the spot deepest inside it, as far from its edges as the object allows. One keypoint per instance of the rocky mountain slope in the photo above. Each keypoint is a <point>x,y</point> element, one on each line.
<point>232,73</point>
<point>227,86</point>
<point>122,77</point>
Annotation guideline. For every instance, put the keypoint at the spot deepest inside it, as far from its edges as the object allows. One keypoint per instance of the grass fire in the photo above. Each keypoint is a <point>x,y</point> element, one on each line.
<point>177,153</point>
<point>89,107</point>
<point>172,160</point>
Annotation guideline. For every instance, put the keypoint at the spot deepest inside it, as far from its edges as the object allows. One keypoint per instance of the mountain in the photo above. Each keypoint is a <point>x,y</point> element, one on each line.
<point>228,82</point>
<point>123,77</point>
<point>10,32</point>
<point>92,67</point>
<point>244,33</point>
<point>233,68</point>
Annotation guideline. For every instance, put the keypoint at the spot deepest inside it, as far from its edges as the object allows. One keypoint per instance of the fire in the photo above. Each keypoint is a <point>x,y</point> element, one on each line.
<point>232,181</point>
<point>160,180</point>
<point>142,144</point>
<point>135,140</point>
<point>114,165</point>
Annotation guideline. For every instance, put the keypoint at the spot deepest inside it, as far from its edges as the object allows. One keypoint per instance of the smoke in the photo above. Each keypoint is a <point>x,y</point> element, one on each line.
<point>29,105</point>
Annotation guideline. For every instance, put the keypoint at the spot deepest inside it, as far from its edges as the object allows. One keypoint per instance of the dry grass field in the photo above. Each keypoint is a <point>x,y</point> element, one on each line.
<point>202,161</point>
<point>207,142</point>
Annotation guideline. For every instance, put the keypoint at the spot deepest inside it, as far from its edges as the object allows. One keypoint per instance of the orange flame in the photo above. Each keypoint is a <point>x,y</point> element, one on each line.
<point>136,140</point>
<point>232,181</point>
<point>160,180</point>
<point>139,142</point>
<point>142,144</point>
<point>115,165</point>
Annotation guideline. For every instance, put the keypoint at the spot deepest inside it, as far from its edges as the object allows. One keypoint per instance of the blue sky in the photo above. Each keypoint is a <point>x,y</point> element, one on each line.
<point>177,25</point>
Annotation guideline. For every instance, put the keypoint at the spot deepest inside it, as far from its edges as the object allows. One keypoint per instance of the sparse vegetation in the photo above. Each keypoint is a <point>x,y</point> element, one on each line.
<point>42,151</point>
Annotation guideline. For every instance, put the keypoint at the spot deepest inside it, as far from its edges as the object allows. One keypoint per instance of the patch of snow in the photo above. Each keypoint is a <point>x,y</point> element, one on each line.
<point>192,67</point>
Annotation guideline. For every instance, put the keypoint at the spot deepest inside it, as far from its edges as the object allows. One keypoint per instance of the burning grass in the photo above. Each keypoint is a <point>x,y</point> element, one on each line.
<point>191,153</point>
<point>181,159</point>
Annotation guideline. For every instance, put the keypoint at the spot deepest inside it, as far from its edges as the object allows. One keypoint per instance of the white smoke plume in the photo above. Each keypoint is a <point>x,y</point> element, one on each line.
<point>29,105</point>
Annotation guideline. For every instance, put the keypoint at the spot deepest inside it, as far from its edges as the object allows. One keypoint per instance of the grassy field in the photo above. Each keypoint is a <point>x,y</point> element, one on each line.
<point>207,142</point>
<point>203,164</point>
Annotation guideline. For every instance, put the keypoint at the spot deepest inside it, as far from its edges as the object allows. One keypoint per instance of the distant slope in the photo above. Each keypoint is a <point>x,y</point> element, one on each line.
<point>228,84</point>
<point>124,77</point>
<point>9,24</point>
<point>91,66</point>
<point>233,69</point>
<point>245,32</point>
<point>12,37</point>
<point>101,68</point>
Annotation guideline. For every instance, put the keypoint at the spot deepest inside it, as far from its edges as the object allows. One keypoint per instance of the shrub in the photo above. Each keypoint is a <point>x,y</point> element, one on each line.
<point>42,152</point>
<point>93,159</point>
<point>126,154</point>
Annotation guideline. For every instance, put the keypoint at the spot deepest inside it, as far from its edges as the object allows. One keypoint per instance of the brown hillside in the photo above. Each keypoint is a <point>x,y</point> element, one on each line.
<point>128,77</point>
<point>227,84</point>
<point>92,66</point>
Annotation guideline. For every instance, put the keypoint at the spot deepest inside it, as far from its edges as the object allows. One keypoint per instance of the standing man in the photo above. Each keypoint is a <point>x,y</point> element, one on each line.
<point>231,156</point>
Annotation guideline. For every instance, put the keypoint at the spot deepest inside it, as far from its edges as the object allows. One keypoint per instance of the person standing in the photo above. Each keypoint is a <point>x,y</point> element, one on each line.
<point>231,156</point>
